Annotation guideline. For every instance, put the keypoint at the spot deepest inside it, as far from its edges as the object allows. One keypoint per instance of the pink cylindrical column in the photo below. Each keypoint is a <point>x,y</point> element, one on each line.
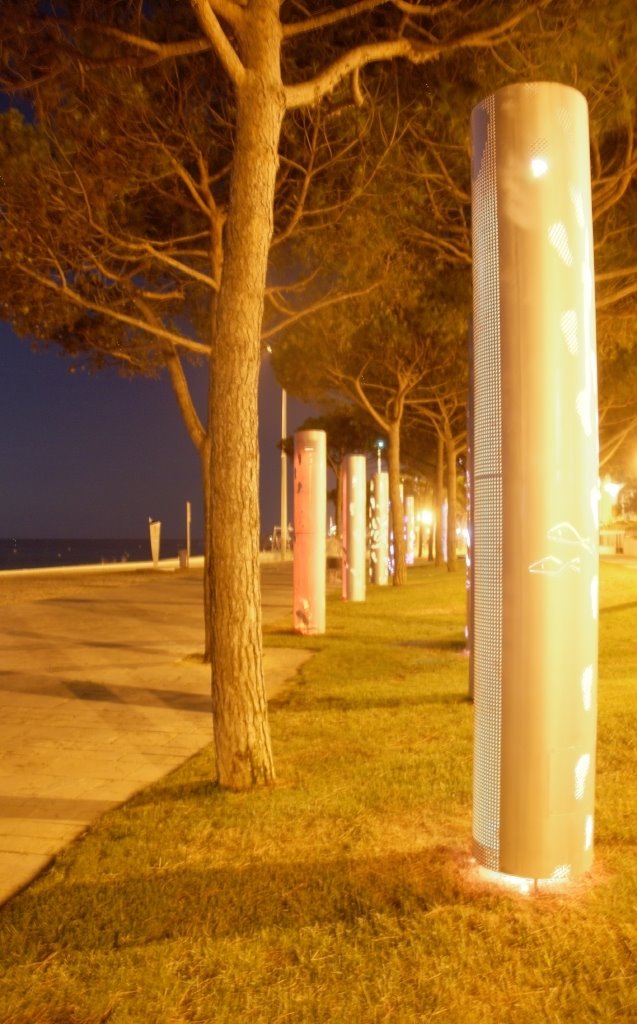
<point>154,527</point>
<point>535,490</point>
<point>354,527</point>
<point>310,528</point>
<point>379,529</point>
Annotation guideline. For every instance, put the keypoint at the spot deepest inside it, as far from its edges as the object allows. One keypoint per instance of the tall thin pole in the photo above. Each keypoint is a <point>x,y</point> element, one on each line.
<point>284,474</point>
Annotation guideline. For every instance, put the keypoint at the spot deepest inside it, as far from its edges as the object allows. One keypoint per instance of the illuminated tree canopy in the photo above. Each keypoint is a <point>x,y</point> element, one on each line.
<point>169,153</point>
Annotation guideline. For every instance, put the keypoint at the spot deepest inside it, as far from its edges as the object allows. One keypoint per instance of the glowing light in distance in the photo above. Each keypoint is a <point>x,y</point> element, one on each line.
<point>612,488</point>
<point>539,166</point>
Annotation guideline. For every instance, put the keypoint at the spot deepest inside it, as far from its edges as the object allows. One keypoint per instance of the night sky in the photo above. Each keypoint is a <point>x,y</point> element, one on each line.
<point>92,456</point>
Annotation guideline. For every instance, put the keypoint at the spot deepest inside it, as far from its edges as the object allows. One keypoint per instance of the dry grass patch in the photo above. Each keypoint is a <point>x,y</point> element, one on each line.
<point>343,893</point>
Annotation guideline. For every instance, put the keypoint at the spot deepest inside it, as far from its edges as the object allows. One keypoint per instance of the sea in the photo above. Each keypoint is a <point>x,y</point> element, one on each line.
<point>27,553</point>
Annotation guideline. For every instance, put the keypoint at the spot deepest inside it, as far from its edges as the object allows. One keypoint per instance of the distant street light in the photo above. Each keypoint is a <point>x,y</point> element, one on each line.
<point>380,444</point>
<point>612,489</point>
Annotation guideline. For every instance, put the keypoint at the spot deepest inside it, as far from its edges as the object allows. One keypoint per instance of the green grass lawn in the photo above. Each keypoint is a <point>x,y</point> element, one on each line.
<point>344,893</point>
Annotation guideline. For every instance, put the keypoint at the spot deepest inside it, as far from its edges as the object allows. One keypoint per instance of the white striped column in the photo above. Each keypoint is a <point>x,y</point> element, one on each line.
<point>379,529</point>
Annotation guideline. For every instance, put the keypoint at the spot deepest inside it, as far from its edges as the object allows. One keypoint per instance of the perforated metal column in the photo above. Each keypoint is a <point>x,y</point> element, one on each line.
<point>535,491</point>
<point>353,527</point>
<point>379,529</point>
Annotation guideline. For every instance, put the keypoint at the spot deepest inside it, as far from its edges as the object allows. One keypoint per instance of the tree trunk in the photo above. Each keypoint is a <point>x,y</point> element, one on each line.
<point>338,511</point>
<point>241,730</point>
<point>393,465</point>
<point>201,441</point>
<point>439,498</point>
<point>207,561</point>
<point>452,489</point>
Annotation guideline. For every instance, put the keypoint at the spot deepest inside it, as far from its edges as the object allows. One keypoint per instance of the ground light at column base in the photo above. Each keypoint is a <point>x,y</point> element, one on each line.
<point>559,882</point>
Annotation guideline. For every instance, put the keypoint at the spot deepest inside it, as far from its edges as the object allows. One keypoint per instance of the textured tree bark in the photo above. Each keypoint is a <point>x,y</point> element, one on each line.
<point>393,465</point>
<point>338,473</point>
<point>201,441</point>
<point>207,569</point>
<point>240,721</point>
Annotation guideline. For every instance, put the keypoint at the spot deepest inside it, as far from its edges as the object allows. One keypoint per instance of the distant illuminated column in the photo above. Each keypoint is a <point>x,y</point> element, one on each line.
<point>310,528</point>
<point>154,527</point>
<point>284,473</point>
<point>535,489</point>
<point>354,527</point>
<point>379,529</point>
<point>410,529</point>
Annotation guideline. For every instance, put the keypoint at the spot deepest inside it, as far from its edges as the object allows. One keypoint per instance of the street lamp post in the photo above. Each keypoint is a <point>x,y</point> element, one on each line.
<point>379,447</point>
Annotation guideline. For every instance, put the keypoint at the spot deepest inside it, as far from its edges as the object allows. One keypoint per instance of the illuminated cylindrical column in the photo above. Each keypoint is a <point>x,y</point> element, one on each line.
<point>310,527</point>
<point>535,491</point>
<point>379,529</point>
<point>354,527</point>
<point>284,474</point>
<point>410,529</point>
<point>154,528</point>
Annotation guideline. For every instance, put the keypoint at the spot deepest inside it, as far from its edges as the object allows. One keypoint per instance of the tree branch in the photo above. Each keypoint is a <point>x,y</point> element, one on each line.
<point>616,296</point>
<point>181,391</point>
<point>308,94</point>
<point>220,42</point>
<point>165,51</point>
<point>78,300</point>
<point>314,308</point>
<point>297,28</point>
<point>612,275</point>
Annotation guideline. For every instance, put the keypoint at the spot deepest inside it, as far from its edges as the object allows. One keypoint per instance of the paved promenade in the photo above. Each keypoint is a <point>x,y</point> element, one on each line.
<point>101,693</point>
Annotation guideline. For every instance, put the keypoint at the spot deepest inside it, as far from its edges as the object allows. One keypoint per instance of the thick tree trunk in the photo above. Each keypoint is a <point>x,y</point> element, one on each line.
<point>338,473</point>
<point>393,465</point>
<point>439,498</point>
<point>208,565</point>
<point>452,501</point>
<point>241,731</point>
<point>201,441</point>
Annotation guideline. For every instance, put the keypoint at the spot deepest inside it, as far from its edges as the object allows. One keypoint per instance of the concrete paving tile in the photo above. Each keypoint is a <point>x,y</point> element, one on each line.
<point>26,702</point>
<point>58,809</point>
<point>16,869</point>
<point>32,784</point>
<point>140,772</point>
<point>114,791</point>
<point>101,695</point>
<point>38,845</point>
<point>48,831</point>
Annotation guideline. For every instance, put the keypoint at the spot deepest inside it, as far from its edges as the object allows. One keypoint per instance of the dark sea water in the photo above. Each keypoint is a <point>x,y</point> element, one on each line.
<point>43,554</point>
